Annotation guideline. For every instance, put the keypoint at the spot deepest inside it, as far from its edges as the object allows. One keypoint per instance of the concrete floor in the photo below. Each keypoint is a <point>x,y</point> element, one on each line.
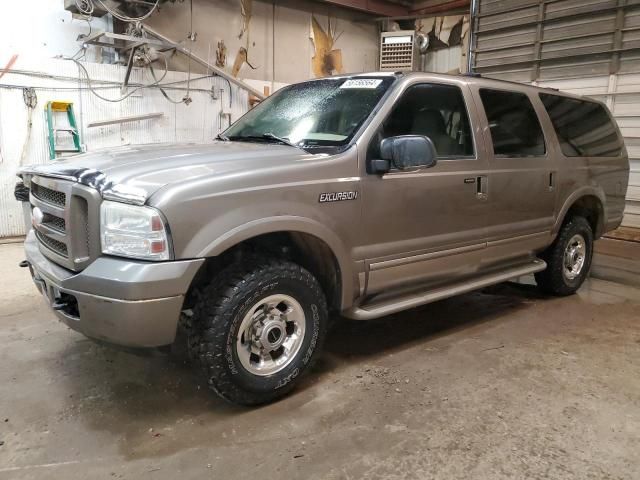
<point>501,384</point>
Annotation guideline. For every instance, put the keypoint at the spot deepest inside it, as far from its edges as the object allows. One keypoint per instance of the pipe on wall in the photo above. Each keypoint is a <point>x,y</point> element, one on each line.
<point>218,71</point>
<point>472,36</point>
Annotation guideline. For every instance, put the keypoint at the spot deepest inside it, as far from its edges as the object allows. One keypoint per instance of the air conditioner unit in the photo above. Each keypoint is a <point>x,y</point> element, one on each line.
<point>397,52</point>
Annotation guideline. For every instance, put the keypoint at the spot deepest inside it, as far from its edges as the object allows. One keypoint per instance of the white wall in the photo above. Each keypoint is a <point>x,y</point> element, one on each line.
<point>38,30</point>
<point>198,122</point>
<point>221,20</point>
<point>42,28</point>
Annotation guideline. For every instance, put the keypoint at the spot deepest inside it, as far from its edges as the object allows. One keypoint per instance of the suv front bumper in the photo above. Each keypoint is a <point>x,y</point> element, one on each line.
<point>121,301</point>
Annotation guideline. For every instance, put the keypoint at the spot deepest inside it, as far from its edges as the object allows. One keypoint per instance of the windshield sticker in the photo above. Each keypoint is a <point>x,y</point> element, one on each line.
<point>369,83</point>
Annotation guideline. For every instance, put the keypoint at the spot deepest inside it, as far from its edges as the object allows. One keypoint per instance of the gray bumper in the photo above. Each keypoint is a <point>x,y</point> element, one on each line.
<point>120,301</point>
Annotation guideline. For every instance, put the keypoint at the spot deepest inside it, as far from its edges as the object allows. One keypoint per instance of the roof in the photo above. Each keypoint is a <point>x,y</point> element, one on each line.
<point>471,79</point>
<point>475,79</point>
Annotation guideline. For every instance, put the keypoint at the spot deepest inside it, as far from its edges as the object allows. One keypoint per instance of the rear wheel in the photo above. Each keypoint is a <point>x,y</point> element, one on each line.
<point>568,259</point>
<point>257,328</point>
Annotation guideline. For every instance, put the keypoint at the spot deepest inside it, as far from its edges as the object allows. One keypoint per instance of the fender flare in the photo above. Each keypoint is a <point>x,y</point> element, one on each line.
<point>287,223</point>
<point>586,191</point>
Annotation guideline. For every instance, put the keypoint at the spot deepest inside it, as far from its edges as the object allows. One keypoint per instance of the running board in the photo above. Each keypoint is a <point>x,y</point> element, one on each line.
<point>387,307</point>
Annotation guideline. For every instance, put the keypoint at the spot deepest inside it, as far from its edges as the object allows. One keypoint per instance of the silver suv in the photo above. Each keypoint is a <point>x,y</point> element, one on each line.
<point>358,195</point>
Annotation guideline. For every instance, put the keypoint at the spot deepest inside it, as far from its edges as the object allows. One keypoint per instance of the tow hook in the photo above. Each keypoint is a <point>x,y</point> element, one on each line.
<point>59,306</point>
<point>24,264</point>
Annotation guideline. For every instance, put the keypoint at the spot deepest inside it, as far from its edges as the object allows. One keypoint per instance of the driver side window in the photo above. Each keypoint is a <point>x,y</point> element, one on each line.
<point>432,110</point>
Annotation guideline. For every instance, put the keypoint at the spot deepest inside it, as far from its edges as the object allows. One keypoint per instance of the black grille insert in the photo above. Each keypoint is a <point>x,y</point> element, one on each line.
<point>47,195</point>
<point>53,245</point>
<point>54,222</point>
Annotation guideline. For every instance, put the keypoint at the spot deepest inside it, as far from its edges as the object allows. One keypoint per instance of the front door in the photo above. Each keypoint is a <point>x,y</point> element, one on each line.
<point>427,225</point>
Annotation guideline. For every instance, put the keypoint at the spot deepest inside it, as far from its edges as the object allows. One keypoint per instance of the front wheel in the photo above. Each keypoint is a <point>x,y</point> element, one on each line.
<point>257,328</point>
<point>568,258</point>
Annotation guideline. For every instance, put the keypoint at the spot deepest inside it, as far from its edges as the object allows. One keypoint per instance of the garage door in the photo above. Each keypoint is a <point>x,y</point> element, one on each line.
<point>586,47</point>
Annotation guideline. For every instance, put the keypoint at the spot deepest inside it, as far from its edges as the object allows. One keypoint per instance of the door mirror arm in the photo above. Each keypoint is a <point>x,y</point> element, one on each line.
<point>379,166</point>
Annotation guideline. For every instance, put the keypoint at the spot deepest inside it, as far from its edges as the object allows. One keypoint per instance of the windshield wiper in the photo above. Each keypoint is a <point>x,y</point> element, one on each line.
<point>263,137</point>
<point>280,139</point>
<point>223,137</point>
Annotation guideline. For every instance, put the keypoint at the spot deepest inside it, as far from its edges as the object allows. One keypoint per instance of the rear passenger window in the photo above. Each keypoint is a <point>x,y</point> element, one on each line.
<point>515,129</point>
<point>584,128</point>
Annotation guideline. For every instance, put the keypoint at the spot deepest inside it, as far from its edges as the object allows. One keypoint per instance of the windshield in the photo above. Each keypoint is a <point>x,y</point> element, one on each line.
<point>316,114</point>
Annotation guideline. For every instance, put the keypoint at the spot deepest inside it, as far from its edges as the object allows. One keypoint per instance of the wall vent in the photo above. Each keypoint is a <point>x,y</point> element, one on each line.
<point>396,51</point>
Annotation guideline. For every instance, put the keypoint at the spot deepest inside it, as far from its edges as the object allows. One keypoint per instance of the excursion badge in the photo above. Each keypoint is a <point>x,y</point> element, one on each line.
<point>337,196</point>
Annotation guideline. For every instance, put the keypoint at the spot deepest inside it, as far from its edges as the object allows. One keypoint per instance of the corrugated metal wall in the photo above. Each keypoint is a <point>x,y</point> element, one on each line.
<point>446,60</point>
<point>587,47</point>
<point>58,80</point>
<point>621,92</point>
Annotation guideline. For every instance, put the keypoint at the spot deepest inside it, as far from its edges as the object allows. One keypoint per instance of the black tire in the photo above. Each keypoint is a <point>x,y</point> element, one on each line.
<point>553,280</point>
<point>219,311</point>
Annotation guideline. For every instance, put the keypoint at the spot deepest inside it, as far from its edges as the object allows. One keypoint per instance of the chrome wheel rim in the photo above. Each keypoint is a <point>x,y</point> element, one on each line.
<point>575,255</point>
<point>271,335</point>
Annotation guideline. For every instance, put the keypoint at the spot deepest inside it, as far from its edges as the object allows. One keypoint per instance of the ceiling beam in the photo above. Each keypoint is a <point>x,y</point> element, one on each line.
<point>382,8</point>
<point>442,7</point>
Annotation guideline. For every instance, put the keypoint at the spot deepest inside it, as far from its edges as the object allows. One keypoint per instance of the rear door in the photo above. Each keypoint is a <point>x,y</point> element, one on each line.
<point>521,190</point>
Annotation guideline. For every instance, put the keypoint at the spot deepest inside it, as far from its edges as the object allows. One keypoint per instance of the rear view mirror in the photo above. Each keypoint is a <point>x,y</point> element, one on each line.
<point>407,151</point>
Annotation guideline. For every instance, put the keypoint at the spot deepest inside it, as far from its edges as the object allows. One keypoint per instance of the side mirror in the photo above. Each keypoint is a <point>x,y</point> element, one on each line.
<point>405,151</point>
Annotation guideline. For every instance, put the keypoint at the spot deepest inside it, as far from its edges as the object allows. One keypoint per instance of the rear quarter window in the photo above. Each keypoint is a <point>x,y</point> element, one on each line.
<point>584,128</point>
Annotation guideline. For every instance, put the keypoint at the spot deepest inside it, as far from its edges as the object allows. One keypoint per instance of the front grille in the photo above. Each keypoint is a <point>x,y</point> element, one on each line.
<point>66,230</point>
<point>45,194</point>
<point>83,219</point>
<point>53,245</point>
<point>54,222</point>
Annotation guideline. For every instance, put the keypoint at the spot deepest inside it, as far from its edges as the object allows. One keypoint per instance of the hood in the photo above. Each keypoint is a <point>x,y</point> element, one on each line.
<point>134,173</point>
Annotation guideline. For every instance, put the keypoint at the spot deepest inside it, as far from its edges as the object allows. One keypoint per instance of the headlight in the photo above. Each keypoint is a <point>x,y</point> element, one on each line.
<point>133,231</point>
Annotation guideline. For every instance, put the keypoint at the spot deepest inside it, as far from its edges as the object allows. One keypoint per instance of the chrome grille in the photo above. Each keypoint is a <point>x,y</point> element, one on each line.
<point>48,195</point>
<point>65,216</point>
<point>54,245</point>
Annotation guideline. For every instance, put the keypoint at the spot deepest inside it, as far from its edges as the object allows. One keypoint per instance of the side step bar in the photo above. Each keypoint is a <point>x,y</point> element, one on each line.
<point>387,307</point>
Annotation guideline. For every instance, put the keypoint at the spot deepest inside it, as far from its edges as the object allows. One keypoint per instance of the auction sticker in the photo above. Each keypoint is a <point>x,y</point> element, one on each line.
<point>371,83</point>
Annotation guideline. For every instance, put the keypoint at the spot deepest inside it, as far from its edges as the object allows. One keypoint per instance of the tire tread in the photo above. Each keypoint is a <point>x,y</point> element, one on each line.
<point>213,316</point>
<point>551,280</point>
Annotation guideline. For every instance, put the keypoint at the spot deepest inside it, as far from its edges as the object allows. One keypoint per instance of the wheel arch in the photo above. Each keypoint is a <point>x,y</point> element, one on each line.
<point>304,241</point>
<point>588,203</point>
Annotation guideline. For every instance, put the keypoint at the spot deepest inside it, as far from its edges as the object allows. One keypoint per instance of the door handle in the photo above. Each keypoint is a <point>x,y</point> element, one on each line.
<point>482,187</point>
<point>552,181</point>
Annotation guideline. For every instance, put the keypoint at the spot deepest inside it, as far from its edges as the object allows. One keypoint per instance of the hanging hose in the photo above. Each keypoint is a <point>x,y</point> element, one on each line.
<point>31,101</point>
